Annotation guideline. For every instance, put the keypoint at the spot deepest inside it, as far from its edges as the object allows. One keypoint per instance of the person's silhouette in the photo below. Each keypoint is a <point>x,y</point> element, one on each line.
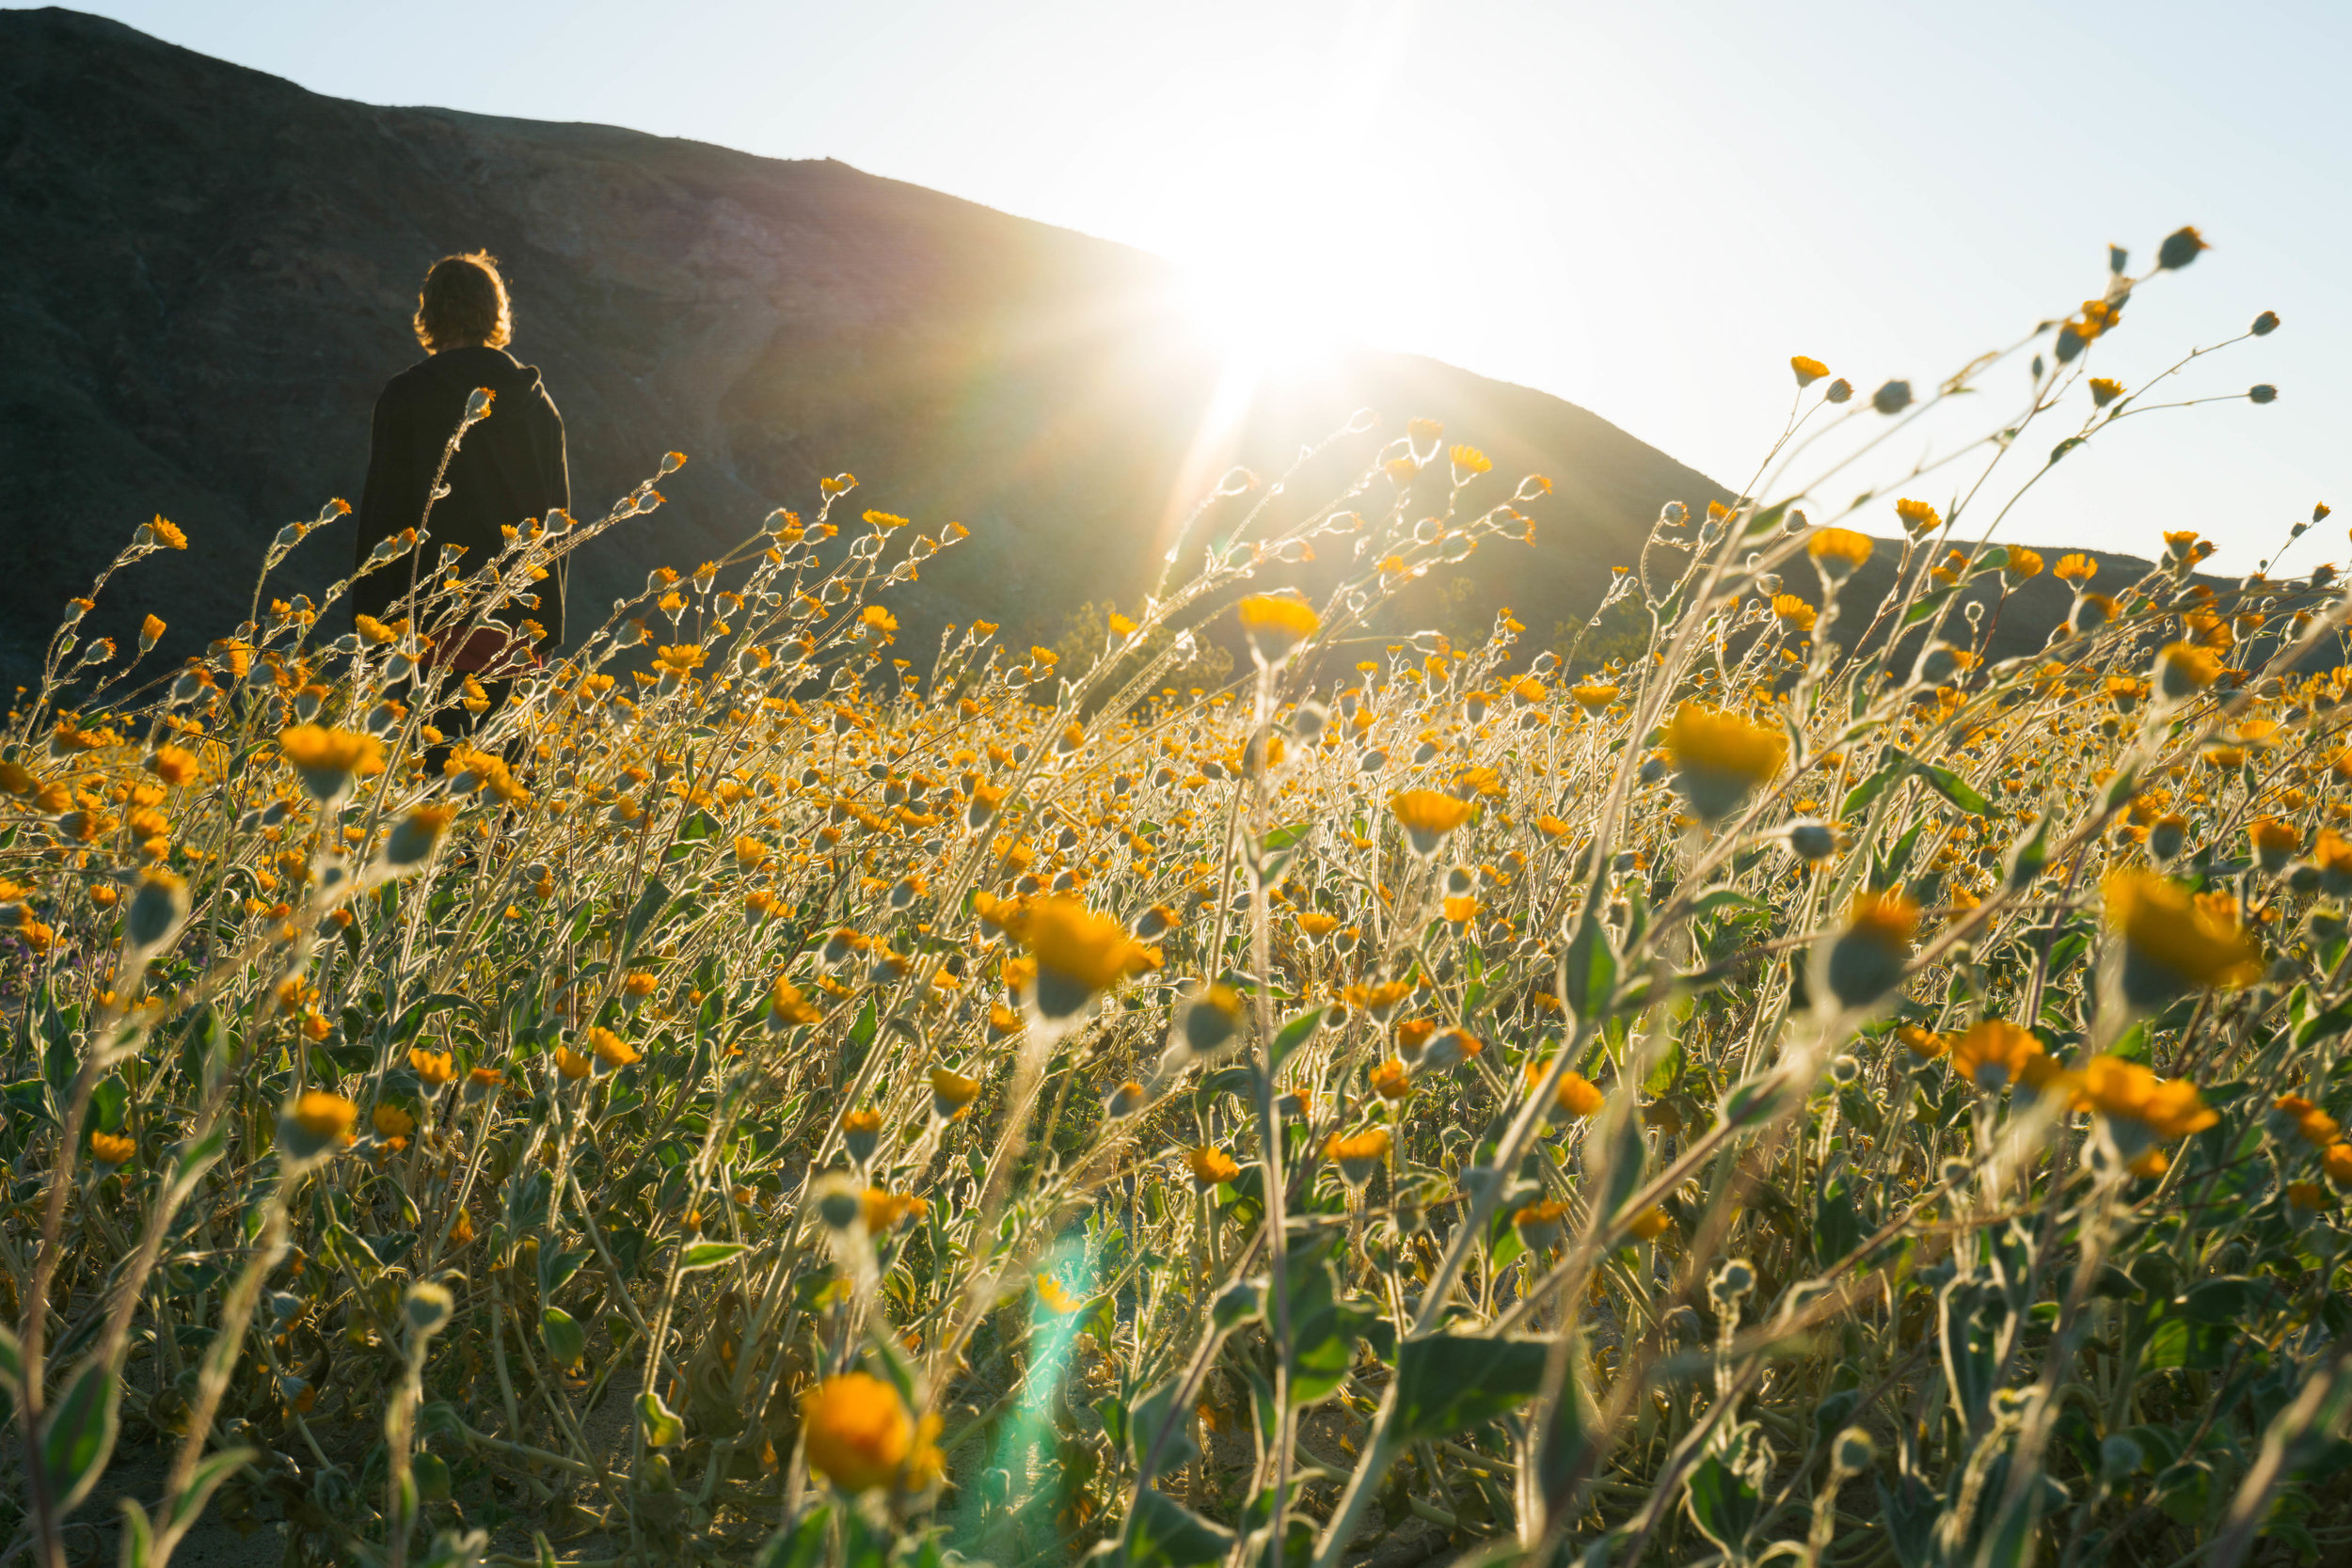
<point>510,470</point>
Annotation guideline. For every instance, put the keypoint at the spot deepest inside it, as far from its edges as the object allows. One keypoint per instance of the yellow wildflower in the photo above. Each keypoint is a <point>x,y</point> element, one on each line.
<point>1427,817</point>
<point>858,1433</point>
<point>1838,551</point>
<point>1917,518</point>
<point>1276,624</point>
<point>1720,758</point>
<point>1210,1166</point>
<point>2174,943</point>
<point>1359,1156</point>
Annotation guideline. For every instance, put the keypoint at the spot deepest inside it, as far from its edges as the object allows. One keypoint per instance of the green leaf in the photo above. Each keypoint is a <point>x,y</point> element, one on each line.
<point>1833,1412</point>
<point>428,1473</point>
<point>2223,1301</point>
<point>797,1546</point>
<point>1588,970</point>
<point>2132,1045</point>
<point>556,1268</point>
<point>1260,1403</point>
<point>2029,855</point>
<point>2180,1342</point>
<point>1289,837</point>
<point>649,904</point>
<point>2325,1025</point>
<point>661,1423</point>
<point>1859,798</point>
<point>187,1276</point>
<point>139,1534</point>
<point>1154,1418</point>
<point>1449,1383</point>
<point>1324,1329</point>
<point>29,1100</point>
<point>1723,1502</point>
<point>1296,1032</point>
<point>193,1157</point>
<point>1669,1069</point>
<point>1890,871</point>
<point>204,1480</point>
<point>1950,785</point>
<point>1237,1078</point>
<point>1837,1227</point>
<point>412,1021</point>
<point>1926,605</point>
<point>1728,898</point>
<point>1169,1535</point>
<point>109,1102</point>
<point>566,1342</point>
<point>2183,1491</point>
<point>709,1254</point>
<point>1114,1413</point>
<point>1755,1100</point>
<point>1911,1514</point>
<point>1239,1303</point>
<point>77,1435</point>
<point>1566,1438</point>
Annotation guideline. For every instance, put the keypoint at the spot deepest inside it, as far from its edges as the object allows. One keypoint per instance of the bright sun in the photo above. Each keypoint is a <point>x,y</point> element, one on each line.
<point>1262,314</point>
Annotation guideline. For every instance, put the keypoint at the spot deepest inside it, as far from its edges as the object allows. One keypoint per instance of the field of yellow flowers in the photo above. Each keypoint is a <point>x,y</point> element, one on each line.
<point>761,1094</point>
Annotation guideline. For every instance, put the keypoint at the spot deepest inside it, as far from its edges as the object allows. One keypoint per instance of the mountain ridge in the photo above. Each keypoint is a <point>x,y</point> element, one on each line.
<point>206,274</point>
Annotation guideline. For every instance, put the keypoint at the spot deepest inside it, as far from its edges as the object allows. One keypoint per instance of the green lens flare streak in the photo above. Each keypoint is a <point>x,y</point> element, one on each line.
<point>1051,1335</point>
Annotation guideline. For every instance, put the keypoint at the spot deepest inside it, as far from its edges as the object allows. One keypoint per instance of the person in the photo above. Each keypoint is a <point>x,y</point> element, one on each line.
<point>510,470</point>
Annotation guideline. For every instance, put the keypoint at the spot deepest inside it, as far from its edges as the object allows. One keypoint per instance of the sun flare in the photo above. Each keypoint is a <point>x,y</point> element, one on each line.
<point>1261,314</point>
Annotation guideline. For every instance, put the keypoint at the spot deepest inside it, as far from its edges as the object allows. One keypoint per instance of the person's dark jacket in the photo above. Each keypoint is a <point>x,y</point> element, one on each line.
<point>510,469</point>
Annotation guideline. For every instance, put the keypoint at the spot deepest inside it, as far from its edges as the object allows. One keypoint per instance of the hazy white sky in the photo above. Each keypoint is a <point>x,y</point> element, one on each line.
<point>1643,207</point>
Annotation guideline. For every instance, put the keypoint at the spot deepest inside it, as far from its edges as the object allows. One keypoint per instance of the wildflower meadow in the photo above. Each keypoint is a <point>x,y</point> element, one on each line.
<point>1800,1089</point>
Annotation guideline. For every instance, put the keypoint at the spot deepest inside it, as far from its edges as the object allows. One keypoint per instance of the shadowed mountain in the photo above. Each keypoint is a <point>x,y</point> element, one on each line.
<point>206,275</point>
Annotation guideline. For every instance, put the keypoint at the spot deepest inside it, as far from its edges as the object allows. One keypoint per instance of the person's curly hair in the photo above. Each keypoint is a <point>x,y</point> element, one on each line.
<point>464,302</point>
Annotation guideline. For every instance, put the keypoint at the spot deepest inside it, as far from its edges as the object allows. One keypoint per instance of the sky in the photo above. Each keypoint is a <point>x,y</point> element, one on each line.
<point>1645,208</point>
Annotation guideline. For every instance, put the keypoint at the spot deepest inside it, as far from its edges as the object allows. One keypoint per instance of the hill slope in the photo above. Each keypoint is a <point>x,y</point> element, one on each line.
<point>206,274</point>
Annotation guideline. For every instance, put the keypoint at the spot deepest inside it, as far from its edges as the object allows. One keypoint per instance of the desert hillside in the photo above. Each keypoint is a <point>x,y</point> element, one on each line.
<point>206,273</point>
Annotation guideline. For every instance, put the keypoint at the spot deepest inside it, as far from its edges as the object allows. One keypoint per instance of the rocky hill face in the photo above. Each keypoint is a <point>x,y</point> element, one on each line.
<point>206,275</point>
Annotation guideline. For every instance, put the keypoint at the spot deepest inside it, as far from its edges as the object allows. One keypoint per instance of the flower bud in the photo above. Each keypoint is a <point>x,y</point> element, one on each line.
<point>840,1201</point>
<point>1812,841</point>
<point>2180,248</point>
<point>1211,1015</point>
<point>1862,962</point>
<point>156,910</point>
<point>427,1307</point>
<point>416,834</point>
